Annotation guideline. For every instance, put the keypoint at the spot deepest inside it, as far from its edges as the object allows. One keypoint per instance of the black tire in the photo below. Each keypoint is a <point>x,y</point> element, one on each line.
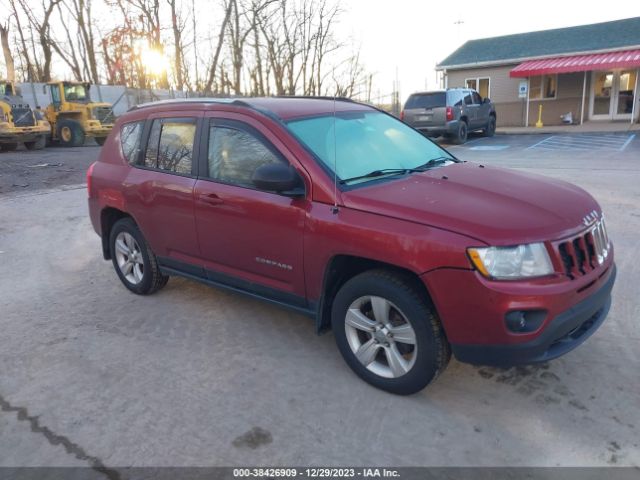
<point>100,140</point>
<point>152,279</point>
<point>461,134</point>
<point>70,133</point>
<point>38,144</point>
<point>8,147</point>
<point>490,129</point>
<point>433,351</point>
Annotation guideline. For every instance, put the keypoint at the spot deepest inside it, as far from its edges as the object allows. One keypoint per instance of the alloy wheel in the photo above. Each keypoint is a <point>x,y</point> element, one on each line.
<point>129,258</point>
<point>380,336</point>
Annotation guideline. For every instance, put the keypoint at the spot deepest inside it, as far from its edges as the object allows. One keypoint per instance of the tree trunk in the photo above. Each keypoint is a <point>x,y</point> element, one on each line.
<point>8,56</point>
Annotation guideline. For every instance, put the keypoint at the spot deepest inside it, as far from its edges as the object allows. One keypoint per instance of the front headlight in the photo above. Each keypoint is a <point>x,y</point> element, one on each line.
<point>521,261</point>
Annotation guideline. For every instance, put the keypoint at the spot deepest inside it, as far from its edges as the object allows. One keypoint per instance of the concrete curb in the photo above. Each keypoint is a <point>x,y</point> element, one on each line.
<point>566,130</point>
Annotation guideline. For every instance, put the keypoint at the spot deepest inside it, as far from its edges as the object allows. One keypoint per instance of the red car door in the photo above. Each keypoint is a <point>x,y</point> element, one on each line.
<point>250,239</point>
<point>159,189</point>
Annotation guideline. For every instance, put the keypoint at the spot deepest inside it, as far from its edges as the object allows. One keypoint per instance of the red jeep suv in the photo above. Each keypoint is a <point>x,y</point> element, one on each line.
<point>345,214</point>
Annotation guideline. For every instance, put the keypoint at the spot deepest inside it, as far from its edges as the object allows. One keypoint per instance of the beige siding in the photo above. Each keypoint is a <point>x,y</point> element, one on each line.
<point>511,110</point>
<point>502,87</point>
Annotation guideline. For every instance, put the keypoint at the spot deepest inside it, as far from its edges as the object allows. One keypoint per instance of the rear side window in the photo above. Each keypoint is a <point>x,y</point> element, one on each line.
<point>170,145</point>
<point>426,100</point>
<point>130,135</point>
<point>467,98</point>
<point>235,154</point>
<point>455,98</point>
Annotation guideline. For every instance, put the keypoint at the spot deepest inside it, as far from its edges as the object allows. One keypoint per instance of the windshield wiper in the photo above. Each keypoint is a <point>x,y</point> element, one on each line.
<point>378,173</point>
<point>399,171</point>
<point>433,162</point>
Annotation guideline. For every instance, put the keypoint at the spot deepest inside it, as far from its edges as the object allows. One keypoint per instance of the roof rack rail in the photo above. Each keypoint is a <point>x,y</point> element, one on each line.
<point>177,101</point>
<point>318,97</point>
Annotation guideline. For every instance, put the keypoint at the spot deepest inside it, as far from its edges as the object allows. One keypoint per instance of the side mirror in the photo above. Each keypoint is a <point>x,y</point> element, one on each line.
<point>278,177</point>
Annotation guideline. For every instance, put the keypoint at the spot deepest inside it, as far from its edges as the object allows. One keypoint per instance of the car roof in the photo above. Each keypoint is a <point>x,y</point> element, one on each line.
<point>429,92</point>
<point>284,108</point>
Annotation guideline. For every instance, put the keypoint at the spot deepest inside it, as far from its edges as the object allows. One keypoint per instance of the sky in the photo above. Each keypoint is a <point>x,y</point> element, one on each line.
<point>413,35</point>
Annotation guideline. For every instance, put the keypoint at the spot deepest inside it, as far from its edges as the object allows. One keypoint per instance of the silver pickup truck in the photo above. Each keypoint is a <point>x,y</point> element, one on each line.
<point>454,113</point>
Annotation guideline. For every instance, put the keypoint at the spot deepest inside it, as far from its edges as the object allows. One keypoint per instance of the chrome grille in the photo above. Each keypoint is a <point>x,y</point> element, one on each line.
<point>586,251</point>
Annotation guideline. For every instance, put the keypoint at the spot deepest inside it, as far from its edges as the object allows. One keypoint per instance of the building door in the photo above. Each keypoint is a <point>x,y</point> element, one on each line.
<point>625,94</point>
<point>612,94</point>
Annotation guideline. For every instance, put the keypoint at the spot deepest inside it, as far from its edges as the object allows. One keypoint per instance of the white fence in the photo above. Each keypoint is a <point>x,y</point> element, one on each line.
<point>122,98</point>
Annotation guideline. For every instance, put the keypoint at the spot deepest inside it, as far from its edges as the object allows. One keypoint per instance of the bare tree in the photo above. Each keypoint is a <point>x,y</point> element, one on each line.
<point>177,26</point>
<point>8,55</point>
<point>216,56</point>
<point>82,14</point>
<point>41,25</point>
<point>257,47</point>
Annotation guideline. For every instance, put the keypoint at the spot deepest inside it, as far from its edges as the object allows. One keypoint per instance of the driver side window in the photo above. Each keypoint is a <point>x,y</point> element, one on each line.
<point>233,155</point>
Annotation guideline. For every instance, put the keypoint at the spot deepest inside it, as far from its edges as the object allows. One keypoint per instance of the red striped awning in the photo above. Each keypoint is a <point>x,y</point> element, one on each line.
<point>578,63</point>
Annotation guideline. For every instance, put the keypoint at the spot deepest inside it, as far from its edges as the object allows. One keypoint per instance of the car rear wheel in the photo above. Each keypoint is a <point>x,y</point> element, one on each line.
<point>134,261</point>
<point>388,332</point>
<point>461,134</point>
<point>490,130</point>
<point>70,133</point>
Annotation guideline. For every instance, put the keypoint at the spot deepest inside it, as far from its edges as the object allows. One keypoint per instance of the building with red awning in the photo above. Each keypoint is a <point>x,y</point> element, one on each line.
<point>590,72</point>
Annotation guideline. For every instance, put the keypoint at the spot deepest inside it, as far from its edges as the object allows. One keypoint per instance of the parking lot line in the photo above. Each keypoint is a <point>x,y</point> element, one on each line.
<point>627,142</point>
<point>541,141</point>
<point>584,142</point>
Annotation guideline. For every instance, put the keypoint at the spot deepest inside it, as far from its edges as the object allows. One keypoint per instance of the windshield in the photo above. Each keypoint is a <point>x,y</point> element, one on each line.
<point>366,142</point>
<point>76,93</point>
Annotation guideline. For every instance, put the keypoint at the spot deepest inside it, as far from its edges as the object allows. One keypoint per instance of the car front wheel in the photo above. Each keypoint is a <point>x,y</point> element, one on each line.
<point>490,130</point>
<point>134,261</point>
<point>388,332</point>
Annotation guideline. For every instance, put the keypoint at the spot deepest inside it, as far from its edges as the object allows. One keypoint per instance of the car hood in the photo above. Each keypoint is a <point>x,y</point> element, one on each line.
<point>495,205</point>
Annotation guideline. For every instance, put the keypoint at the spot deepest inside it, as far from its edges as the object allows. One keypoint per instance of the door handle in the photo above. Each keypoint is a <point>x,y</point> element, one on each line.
<point>212,199</point>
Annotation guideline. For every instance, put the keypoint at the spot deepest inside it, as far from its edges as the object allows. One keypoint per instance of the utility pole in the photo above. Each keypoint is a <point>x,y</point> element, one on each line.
<point>396,96</point>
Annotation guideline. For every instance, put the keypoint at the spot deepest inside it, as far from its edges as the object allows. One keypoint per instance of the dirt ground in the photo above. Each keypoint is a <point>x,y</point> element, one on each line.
<point>26,171</point>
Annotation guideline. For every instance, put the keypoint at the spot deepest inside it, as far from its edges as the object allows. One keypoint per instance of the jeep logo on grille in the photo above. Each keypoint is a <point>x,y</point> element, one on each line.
<point>590,218</point>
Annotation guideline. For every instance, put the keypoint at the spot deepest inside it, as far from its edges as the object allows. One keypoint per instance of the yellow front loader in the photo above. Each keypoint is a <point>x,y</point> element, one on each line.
<point>73,116</point>
<point>18,122</point>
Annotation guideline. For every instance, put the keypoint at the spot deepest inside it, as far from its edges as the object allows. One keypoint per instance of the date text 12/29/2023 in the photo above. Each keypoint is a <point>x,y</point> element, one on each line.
<point>316,472</point>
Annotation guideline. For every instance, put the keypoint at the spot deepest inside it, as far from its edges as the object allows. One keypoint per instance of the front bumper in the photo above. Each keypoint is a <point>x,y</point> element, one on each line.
<point>23,134</point>
<point>96,129</point>
<point>564,333</point>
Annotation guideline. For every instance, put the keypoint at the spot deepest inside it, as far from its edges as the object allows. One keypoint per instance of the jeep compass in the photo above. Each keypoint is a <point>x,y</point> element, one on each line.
<point>345,214</point>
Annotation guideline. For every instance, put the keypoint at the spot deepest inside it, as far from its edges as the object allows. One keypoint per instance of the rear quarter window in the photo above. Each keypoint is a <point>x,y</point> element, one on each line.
<point>130,135</point>
<point>455,98</point>
<point>426,100</point>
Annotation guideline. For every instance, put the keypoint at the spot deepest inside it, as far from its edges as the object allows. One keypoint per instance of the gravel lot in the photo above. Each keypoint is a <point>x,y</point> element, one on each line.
<point>26,171</point>
<point>93,375</point>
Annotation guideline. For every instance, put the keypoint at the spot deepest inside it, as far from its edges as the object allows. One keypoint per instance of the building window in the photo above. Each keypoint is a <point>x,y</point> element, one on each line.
<point>543,87</point>
<point>480,85</point>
